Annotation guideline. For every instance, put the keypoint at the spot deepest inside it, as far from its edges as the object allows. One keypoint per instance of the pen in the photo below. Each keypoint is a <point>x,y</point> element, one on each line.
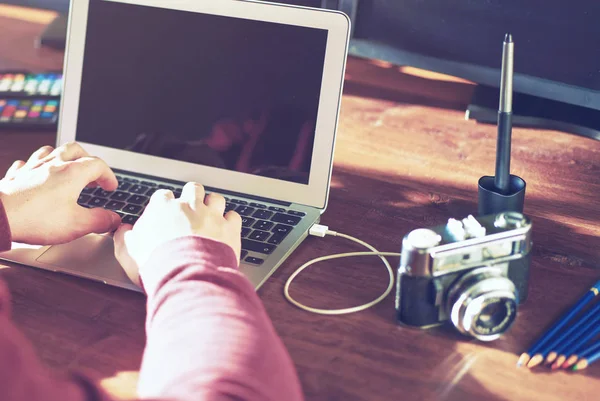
<point>502,178</point>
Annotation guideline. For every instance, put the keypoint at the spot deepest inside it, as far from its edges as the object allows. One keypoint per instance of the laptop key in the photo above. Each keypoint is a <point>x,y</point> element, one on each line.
<point>148,183</point>
<point>138,189</point>
<point>120,196</point>
<point>255,246</point>
<point>129,219</point>
<point>262,214</point>
<point>97,202</point>
<point>114,205</point>
<point>123,186</point>
<point>259,235</point>
<point>132,209</point>
<point>243,254</point>
<point>229,207</point>
<point>177,193</point>
<point>131,180</point>
<point>137,199</point>
<point>246,231</point>
<point>282,229</point>
<point>245,210</point>
<point>258,205</point>
<point>83,199</point>
<point>263,225</point>
<point>170,188</point>
<point>253,260</point>
<point>102,193</point>
<point>88,190</point>
<point>239,202</point>
<point>277,209</point>
<point>247,221</point>
<point>151,191</point>
<point>277,238</point>
<point>295,213</point>
<point>286,219</point>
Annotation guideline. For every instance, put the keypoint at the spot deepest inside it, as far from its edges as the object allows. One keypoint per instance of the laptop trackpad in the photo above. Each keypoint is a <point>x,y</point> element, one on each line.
<point>91,256</point>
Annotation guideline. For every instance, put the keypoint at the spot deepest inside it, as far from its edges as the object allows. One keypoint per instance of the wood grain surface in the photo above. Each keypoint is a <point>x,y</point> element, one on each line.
<point>405,158</point>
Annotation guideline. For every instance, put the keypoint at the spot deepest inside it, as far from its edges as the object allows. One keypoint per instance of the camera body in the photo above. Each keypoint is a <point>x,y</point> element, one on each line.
<point>472,272</point>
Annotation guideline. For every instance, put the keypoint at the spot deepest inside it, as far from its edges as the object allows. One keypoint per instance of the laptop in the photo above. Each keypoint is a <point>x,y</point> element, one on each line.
<point>240,96</point>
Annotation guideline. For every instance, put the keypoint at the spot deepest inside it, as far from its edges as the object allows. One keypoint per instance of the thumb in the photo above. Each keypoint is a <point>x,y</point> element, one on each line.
<point>122,254</point>
<point>119,238</point>
<point>99,220</point>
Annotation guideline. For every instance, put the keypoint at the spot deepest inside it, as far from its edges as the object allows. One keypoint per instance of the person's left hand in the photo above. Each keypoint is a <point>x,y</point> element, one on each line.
<point>40,196</point>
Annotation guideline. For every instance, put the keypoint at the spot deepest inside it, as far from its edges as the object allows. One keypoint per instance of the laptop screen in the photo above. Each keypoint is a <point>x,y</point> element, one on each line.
<point>225,92</point>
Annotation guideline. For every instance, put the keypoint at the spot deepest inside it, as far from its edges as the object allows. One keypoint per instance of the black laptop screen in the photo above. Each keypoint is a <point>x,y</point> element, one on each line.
<point>223,92</point>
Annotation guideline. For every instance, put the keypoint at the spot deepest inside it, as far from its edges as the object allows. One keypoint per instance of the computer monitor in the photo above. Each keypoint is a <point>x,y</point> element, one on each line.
<point>557,69</point>
<point>55,33</point>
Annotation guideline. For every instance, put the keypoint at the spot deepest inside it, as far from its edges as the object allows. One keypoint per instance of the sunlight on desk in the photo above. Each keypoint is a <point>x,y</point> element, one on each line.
<point>122,385</point>
<point>27,14</point>
<point>490,369</point>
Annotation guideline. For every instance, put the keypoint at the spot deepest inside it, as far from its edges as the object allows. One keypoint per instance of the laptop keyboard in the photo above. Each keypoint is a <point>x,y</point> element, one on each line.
<point>263,227</point>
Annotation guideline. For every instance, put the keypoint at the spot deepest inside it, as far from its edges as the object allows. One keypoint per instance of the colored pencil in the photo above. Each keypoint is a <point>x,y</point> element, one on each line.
<point>581,353</point>
<point>592,314</point>
<point>585,362</point>
<point>590,331</point>
<point>532,357</point>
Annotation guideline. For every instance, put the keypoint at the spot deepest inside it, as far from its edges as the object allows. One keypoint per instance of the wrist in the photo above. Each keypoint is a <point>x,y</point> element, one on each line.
<point>5,229</point>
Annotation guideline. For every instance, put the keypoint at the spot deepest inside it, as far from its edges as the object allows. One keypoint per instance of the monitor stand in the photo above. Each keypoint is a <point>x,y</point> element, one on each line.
<point>535,112</point>
<point>55,34</point>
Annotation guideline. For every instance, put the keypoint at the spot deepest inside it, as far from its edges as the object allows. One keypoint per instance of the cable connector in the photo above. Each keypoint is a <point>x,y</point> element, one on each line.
<point>318,230</point>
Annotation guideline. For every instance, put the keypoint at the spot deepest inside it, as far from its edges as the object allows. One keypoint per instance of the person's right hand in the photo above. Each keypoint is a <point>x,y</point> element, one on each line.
<point>166,218</point>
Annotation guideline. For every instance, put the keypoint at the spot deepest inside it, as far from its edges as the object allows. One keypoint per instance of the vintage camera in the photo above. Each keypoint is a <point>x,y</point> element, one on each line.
<point>472,272</point>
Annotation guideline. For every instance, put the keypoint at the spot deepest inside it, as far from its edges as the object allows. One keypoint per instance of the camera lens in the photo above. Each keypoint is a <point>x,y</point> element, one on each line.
<point>483,304</point>
<point>492,315</point>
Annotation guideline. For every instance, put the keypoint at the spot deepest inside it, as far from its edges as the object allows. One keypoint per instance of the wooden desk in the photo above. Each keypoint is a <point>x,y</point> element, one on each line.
<point>405,158</point>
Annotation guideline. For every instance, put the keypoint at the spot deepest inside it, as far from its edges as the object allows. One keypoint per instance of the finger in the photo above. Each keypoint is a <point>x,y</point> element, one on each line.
<point>69,152</point>
<point>161,196</point>
<point>122,253</point>
<point>119,239</point>
<point>193,193</point>
<point>97,221</point>
<point>40,154</point>
<point>14,169</point>
<point>92,169</point>
<point>234,218</point>
<point>215,202</point>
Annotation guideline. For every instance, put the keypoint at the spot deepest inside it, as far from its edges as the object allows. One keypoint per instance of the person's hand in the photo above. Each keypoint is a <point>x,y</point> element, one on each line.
<point>166,218</point>
<point>40,196</point>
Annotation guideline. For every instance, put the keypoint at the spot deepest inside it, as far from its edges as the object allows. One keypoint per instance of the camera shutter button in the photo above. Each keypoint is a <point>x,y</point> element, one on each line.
<point>510,220</point>
<point>423,238</point>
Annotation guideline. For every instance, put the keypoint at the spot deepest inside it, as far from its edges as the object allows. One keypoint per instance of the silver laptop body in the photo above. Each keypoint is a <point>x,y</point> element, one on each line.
<point>240,96</point>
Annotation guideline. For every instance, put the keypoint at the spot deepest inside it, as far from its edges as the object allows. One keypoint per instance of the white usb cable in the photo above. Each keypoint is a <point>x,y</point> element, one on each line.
<point>321,231</point>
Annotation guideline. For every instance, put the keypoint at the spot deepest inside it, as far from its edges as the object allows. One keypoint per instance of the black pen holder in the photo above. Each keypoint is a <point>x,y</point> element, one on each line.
<point>492,202</point>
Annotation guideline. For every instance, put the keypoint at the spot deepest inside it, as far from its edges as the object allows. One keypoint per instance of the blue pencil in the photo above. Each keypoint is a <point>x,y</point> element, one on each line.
<point>550,352</point>
<point>531,357</point>
<point>590,350</point>
<point>585,362</point>
<point>581,353</point>
<point>590,331</point>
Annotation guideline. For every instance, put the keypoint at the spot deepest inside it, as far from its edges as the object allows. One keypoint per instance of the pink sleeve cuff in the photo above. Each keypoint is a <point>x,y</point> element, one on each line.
<point>167,259</point>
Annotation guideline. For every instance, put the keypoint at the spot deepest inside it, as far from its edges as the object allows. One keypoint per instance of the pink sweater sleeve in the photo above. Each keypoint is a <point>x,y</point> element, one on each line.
<point>209,337</point>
